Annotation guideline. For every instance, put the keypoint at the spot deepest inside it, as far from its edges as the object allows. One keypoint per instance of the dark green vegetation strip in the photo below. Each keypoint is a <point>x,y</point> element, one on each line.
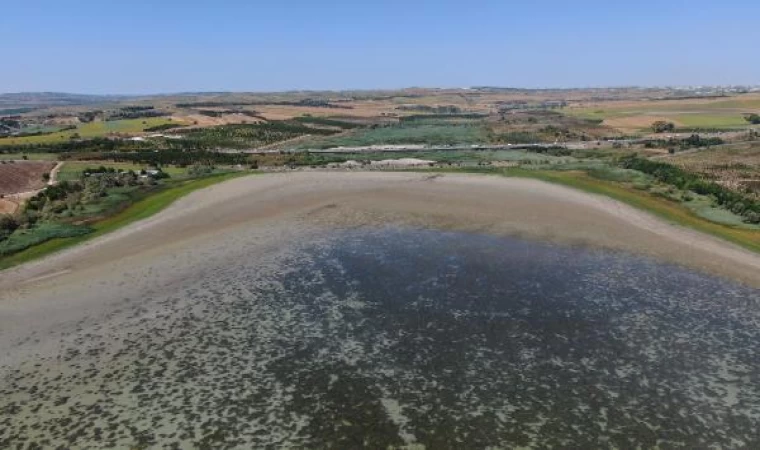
<point>325,121</point>
<point>138,211</point>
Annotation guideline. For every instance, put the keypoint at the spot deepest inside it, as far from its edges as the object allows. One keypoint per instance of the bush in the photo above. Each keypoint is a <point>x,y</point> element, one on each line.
<point>8,224</point>
<point>662,127</point>
<point>22,239</point>
<point>740,204</point>
<point>200,170</point>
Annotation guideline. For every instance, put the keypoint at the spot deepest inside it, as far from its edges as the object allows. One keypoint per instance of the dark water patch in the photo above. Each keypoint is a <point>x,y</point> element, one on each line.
<point>383,338</point>
<point>496,341</point>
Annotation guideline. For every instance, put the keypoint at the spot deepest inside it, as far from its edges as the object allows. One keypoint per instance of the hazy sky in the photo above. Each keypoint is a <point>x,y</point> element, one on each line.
<point>141,46</point>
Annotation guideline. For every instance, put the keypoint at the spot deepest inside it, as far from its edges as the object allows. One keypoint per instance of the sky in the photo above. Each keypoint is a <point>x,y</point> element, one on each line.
<point>168,46</point>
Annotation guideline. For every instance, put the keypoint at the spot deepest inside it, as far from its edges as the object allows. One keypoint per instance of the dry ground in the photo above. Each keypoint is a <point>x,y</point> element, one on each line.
<point>23,176</point>
<point>330,200</point>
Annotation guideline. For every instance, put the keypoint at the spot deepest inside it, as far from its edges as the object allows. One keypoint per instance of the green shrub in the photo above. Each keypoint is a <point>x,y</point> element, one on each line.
<point>741,204</point>
<point>23,239</point>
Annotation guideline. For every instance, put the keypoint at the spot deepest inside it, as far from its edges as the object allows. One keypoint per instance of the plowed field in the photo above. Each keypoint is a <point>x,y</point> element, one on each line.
<point>23,176</point>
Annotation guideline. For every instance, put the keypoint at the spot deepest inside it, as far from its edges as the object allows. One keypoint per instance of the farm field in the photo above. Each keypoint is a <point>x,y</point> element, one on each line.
<point>72,170</point>
<point>23,176</point>
<point>91,130</point>
<point>735,166</point>
<point>29,156</point>
<point>430,134</point>
<point>637,116</point>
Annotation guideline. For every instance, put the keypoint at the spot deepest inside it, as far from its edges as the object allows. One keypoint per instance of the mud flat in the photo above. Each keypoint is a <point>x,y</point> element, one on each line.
<point>384,309</point>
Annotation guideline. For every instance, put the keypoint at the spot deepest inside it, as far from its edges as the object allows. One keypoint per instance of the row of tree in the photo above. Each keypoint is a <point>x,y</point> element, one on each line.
<point>693,141</point>
<point>738,203</point>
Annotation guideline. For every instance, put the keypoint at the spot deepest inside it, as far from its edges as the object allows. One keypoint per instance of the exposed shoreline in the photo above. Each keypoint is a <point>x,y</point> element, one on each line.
<point>494,205</point>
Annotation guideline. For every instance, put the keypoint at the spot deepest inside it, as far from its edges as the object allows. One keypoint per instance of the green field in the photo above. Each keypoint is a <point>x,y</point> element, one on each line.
<point>424,133</point>
<point>706,120</point>
<point>72,170</point>
<point>708,114</point>
<point>91,130</point>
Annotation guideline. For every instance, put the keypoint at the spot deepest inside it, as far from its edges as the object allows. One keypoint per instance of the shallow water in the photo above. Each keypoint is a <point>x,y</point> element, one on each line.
<point>395,337</point>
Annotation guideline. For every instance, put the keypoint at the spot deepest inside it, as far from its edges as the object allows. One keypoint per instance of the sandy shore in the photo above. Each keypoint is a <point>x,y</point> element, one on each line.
<point>494,205</point>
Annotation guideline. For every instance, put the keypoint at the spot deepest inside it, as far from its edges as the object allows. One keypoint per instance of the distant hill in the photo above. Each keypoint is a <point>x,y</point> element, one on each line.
<point>47,99</point>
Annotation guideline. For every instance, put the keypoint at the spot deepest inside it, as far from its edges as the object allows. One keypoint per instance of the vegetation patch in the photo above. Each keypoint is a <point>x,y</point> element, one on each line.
<point>163,127</point>
<point>328,122</point>
<point>23,239</point>
<point>74,170</point>
<point>738,203</point>
<point>89,130</point>
<point>423,134</point>
<point>248,135</point>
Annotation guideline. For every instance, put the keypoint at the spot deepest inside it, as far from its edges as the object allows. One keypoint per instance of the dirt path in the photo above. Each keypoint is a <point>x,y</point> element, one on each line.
<point>54,174</point>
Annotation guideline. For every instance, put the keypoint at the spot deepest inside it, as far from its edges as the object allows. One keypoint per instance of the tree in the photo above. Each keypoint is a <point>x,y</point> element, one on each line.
<point>661,126</point>
<point>753,118</point>
<point>8,223</point>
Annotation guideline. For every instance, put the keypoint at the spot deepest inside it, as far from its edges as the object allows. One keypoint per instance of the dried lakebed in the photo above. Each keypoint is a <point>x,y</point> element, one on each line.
<point>290,334</point>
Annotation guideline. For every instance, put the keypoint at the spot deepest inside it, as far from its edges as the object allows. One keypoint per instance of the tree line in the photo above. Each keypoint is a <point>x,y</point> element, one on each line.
<point>736,202</point>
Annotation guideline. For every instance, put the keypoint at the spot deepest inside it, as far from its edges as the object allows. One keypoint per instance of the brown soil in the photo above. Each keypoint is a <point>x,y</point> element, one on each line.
<point>23,176</point>
<point>635,123</point>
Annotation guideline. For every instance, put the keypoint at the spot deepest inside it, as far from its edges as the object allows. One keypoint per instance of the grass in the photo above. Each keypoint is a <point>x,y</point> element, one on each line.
<point>140,210</point>
<point>91,130</point>
<point>21,240</point>
<point>700,120</point>
<point>704,207</point>
<point>665,209</point>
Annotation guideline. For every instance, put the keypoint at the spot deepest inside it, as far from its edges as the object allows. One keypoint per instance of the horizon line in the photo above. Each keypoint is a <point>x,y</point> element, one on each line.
<point>464,88</point>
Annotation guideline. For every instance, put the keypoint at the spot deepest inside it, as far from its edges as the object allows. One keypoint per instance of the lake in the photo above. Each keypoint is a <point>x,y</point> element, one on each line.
<point>401,337</point>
